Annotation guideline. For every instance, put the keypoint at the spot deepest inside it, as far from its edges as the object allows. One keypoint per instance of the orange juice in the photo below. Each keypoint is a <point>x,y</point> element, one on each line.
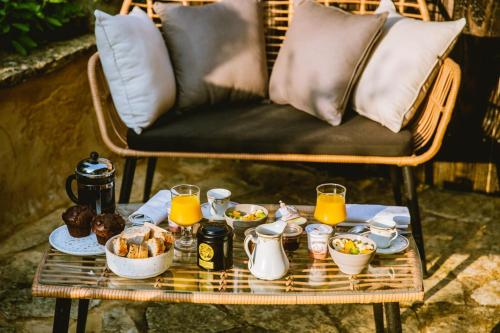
<point>186,210</point>
<point>330,208</point>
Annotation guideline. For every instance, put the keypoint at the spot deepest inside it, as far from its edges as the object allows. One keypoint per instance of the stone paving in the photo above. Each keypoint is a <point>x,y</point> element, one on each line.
<point>461,232</point>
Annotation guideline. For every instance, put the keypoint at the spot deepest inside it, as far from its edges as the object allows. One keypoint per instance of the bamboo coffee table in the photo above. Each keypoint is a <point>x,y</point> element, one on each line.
<point>389,280</point>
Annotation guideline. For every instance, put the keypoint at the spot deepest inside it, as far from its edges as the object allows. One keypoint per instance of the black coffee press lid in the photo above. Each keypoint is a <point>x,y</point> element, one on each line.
<point>95,167</point>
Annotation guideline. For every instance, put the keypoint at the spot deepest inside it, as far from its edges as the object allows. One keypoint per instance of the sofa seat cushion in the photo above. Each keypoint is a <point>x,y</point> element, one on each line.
<point>268,128</point>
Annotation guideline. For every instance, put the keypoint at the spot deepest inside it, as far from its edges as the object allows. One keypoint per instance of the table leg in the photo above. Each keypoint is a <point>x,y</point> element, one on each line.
<point>83,308</point>
<point>378,316</point>
<point>61,315</point>
<point>393,317</point>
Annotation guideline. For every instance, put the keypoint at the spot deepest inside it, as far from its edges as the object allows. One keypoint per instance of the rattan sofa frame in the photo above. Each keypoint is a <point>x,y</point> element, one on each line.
<point>428,128</point>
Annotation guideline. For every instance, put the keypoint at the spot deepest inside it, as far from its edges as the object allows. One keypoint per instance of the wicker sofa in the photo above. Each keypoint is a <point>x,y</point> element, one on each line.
<point>357,140</point>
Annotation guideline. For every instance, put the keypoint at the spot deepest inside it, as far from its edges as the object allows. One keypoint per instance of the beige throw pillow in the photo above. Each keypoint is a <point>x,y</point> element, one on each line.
<point>137,67</point>
<point>402,66</point>
<point>217,51</point>
<point>321,58</point>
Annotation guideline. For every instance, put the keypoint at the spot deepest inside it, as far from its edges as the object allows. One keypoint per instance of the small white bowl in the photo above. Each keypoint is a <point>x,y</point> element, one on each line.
<point>240,226</point>
<point>351,263</point>
<point>138,268</point>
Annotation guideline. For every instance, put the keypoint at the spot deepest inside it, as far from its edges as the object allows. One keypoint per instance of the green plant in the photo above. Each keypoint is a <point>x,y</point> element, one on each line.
<point>26,23</point>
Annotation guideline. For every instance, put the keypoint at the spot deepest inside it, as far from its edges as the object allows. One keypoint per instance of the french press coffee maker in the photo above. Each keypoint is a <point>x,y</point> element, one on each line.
<point>95,178</point>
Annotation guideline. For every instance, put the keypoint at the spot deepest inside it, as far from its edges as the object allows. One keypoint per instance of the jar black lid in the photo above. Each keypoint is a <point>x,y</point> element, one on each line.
<point>215,229</point>
<point>95,167</point>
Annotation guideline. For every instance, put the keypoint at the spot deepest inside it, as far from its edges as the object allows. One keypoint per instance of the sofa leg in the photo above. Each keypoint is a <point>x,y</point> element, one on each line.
<point>429,173</point>
<point>127,179</point>
<point>412,203</point>
<point>396,180</point>
<point>150,172</point>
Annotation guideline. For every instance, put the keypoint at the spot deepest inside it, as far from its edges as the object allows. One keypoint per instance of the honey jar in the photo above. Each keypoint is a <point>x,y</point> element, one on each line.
<point>215,246</point>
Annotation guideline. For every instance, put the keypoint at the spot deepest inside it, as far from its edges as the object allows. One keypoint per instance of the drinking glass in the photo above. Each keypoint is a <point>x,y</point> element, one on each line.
<point>330,204</point>
<point>185,212</point>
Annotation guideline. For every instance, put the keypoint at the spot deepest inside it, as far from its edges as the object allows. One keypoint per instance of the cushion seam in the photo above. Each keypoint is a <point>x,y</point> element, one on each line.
<point>356,73</point>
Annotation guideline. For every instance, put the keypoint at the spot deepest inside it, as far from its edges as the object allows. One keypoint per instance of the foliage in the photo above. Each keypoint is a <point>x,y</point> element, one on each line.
<point>26,23</point>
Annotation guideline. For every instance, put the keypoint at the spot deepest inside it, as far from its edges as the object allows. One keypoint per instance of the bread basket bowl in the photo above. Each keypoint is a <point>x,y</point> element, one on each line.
<point>138,268</point>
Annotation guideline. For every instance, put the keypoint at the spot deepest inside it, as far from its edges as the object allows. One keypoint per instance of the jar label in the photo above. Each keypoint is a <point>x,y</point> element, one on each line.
<point>206,264</point>
<point>206,251</point>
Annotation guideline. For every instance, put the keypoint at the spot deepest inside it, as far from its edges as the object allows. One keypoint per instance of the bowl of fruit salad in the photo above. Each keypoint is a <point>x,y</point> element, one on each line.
<point>244,216</point>
<point>352,253</point>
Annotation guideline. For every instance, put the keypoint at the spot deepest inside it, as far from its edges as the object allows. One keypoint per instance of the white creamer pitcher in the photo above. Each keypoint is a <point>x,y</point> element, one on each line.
<point>268,260</point>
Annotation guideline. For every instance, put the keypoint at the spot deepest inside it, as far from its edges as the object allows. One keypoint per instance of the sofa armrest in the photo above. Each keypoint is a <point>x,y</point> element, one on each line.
<point>430,126</point>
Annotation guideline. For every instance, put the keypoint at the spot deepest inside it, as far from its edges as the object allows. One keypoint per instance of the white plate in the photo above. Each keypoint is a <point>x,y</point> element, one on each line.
<point>205,210</point>
<point>398,245</point>
<point>61,240</point>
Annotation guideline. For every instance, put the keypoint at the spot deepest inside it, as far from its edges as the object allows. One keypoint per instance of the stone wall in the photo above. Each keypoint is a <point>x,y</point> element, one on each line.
<point>108,6</point>
<point>47,124</point>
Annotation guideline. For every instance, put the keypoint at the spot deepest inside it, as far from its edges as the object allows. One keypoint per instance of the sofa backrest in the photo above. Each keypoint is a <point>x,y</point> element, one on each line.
<point>278,15</point>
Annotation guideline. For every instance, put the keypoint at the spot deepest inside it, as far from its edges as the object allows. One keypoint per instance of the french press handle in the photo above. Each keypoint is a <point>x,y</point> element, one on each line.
<point>69,190</point>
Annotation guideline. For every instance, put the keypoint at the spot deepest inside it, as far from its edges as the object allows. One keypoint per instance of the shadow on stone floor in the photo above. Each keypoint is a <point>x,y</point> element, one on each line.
<point>461,232</point>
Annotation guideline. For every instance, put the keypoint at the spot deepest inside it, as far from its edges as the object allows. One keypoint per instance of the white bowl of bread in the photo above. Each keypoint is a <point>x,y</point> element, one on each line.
<point>140,252</point>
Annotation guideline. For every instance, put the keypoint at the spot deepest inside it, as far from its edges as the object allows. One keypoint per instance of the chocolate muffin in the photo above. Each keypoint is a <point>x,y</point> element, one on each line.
<point>78,219</point>
<point>106,226</point>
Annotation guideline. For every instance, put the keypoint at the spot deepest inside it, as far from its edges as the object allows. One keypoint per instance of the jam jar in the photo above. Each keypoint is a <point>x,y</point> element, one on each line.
<point>215,246</point>
<point>291,237</point>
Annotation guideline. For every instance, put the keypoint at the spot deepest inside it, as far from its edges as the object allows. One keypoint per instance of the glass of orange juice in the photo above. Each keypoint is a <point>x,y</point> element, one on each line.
<point>185,211</point>
<point>330,204</point>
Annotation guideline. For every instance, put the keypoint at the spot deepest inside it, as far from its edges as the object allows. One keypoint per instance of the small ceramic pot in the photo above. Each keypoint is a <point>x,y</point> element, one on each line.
<point>317,240</point>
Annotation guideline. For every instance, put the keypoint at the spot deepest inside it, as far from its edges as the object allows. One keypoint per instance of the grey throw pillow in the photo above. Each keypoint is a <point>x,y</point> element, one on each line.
<point>217,51</point>
<point>137,67</point>
<point>322,56</point>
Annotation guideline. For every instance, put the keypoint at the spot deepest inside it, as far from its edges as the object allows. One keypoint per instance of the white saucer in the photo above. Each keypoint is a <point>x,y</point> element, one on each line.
<point>299,220</point>
<point>398,245</point>
<point>61,240</point>
<point>205,210</point>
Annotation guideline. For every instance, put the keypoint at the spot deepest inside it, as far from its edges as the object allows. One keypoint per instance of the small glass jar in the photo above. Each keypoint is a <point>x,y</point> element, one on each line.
<point>291,237</point>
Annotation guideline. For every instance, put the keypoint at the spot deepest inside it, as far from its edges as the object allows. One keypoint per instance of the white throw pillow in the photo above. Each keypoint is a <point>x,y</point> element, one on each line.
<point>402,67</point>
<point>137,67</point>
